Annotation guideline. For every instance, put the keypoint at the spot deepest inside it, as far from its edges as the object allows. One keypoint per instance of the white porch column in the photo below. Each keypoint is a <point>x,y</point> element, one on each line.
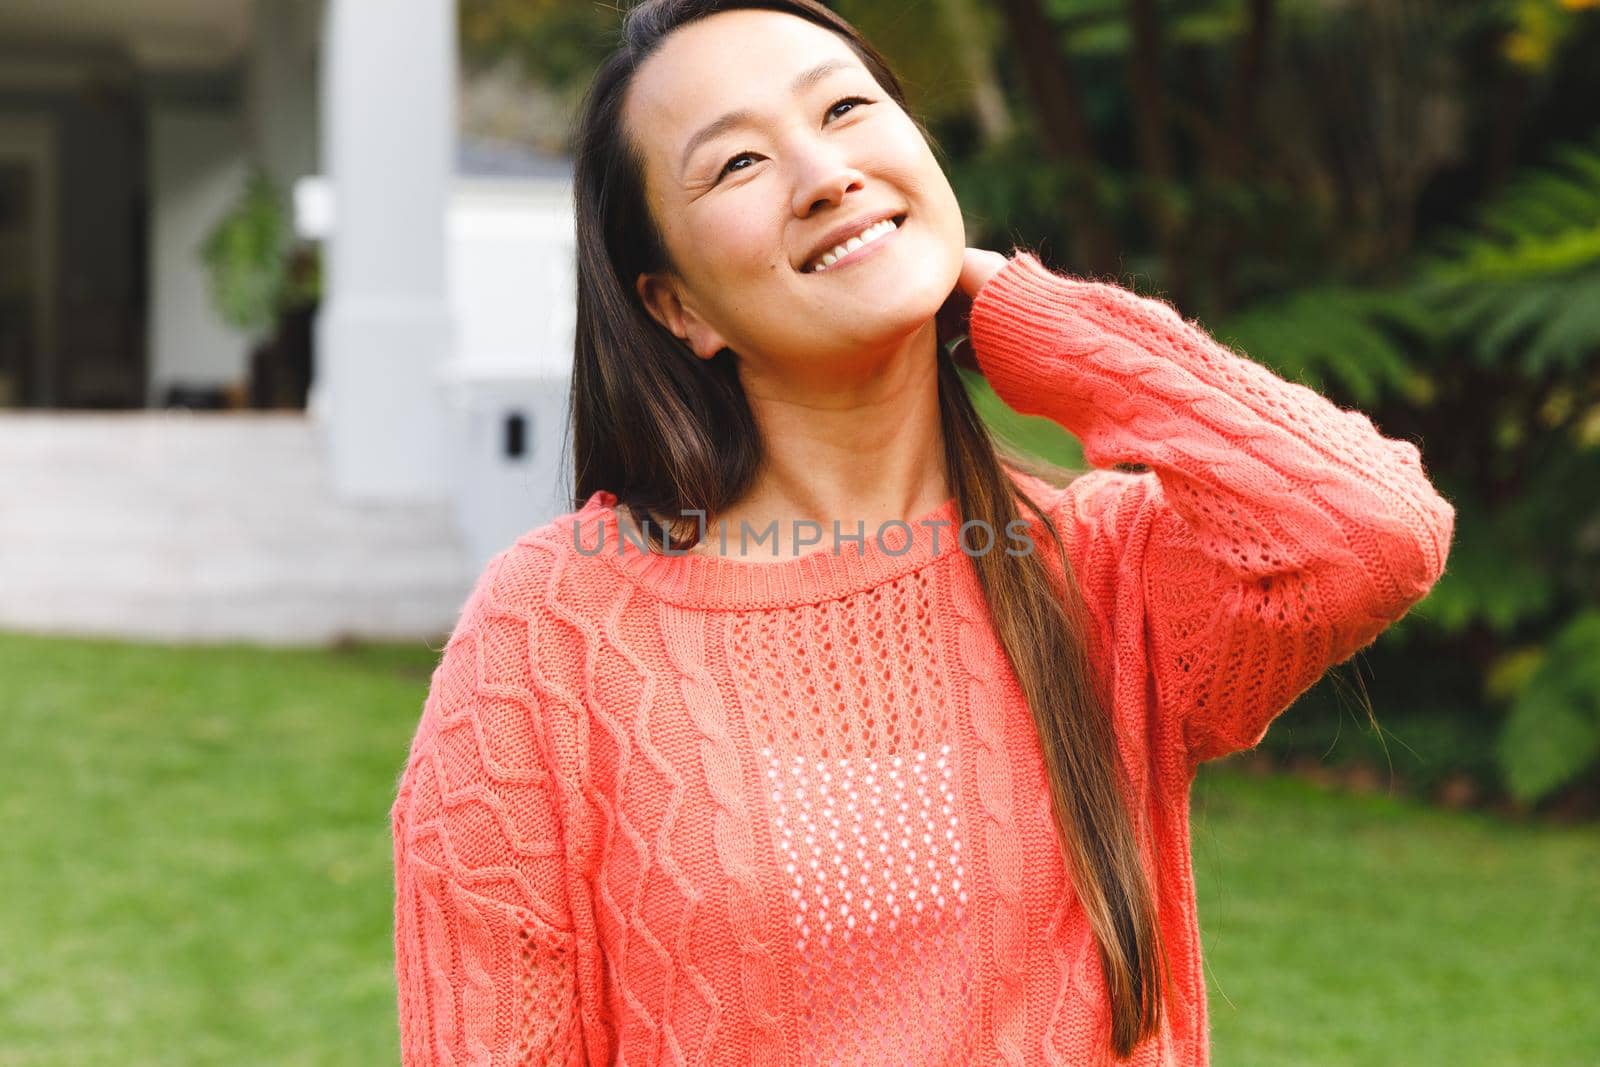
<point>384,329</point>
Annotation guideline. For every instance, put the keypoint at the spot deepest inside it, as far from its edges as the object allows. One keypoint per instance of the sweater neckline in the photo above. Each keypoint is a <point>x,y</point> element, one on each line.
<point>824,572</point>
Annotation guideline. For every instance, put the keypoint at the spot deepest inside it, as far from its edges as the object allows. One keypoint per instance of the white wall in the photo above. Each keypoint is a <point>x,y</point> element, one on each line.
<point>281,87</point>
<point>197,172</point>
<point>511,272</point>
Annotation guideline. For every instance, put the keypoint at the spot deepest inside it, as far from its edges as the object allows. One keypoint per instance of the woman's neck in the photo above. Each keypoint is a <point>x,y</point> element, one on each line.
<point>866,452</point>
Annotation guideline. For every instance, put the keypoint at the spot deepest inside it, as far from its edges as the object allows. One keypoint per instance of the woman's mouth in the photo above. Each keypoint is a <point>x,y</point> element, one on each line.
<point>856,248</point>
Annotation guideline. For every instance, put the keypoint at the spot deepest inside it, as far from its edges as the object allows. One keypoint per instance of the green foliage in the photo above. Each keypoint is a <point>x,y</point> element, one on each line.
<point>918,44</point>
<point>1538,29</point>
<point>558,41</point>
<point>1511,307</point>
<point>1430,729</point>
<point>1010,193</point>
<point>1099,28</point>
<point>1336,333</point>
<point>1492,339</point>
<point>1553,733</point>
<point>247,258</point>
<point>1494,575</point>
<point>1521,286</point>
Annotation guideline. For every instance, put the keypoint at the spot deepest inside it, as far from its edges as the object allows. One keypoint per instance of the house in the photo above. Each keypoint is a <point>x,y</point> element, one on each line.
<point>442,343</point>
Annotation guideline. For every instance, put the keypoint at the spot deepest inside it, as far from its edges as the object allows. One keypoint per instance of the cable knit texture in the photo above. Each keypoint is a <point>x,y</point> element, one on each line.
<point>667,809</point>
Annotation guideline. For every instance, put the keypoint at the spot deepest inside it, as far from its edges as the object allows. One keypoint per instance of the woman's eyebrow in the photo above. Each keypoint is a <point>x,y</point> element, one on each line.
<point>743,117</point>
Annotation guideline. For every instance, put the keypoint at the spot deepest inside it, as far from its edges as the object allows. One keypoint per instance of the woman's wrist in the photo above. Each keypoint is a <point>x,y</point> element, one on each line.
<point>978,265</point>
<point>954,317</point>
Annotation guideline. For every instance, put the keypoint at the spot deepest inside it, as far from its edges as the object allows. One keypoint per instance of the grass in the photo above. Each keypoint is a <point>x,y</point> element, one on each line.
<point>1347,930</point>
<point>196,870</point>
<point>1034,435</point>
<point>197,857</point>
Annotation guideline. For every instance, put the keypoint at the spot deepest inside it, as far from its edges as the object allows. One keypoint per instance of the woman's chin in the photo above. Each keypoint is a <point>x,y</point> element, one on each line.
<point>884,330</point>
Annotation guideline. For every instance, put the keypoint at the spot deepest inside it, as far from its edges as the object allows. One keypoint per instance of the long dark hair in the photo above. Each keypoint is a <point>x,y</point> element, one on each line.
<point>667,431</point>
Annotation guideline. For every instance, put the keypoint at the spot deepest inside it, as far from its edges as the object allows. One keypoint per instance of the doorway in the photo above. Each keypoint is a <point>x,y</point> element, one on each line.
<point>28,272</point>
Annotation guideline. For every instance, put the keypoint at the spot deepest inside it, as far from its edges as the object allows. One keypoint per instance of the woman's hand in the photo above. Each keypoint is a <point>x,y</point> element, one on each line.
<point>977,267</point>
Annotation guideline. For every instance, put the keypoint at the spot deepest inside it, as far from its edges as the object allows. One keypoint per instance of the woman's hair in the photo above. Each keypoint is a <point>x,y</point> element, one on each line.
<point>667,431</point>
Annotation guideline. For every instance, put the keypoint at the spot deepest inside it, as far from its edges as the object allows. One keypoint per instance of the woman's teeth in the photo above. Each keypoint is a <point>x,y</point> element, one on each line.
<point>865,237</point>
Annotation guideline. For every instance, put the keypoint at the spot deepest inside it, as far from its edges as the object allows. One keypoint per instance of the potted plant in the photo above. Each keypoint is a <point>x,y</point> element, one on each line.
<point>266,285</point>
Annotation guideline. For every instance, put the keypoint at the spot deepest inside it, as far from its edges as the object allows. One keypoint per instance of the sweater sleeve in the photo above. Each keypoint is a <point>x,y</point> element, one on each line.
<point>485,954</point>
<point>1273,533</point>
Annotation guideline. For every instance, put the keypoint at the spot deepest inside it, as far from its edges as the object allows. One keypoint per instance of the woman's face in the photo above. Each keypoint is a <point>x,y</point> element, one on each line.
<point>766,144</point>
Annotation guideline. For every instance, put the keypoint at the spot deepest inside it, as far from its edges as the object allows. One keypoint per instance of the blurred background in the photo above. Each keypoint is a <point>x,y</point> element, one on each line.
<point>286,313</point>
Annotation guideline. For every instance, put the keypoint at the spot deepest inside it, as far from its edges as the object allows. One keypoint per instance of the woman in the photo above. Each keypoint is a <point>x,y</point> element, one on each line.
<point>890,797</point>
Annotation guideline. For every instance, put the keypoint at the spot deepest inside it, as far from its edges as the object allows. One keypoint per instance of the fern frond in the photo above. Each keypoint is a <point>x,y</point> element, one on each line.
<point>1330,333</point>
<point>1521,286</point>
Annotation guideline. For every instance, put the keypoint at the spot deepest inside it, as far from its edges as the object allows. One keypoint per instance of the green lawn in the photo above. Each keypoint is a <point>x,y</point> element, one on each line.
<point>1341,929</point>
<point>197,856</point>
<point>196,871</point>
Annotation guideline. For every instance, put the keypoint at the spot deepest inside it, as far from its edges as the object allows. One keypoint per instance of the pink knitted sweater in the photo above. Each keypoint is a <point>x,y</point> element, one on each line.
<point>695,809</point>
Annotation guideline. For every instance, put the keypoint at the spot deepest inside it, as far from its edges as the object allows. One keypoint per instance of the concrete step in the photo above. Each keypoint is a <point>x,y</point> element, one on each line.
<point>210,526</point>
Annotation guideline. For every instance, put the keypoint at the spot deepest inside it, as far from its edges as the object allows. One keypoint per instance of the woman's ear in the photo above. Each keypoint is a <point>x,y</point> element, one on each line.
<point>659,294</point>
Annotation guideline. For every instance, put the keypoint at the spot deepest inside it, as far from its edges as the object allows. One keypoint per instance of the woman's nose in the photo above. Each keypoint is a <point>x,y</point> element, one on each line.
<point>823,182</point>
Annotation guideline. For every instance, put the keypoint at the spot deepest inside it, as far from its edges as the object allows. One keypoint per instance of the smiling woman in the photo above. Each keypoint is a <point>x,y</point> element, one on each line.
<point>914,800</point>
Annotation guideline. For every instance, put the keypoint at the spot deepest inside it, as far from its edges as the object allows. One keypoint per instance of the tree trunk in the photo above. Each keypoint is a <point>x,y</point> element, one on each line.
<point>1151,136</point>
<point>974,51</point>
<point>1235,159</point>
<point>1063,129</point>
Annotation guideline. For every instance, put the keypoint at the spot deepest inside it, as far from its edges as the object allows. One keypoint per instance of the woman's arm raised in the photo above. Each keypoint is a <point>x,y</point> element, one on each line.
<point>1282,533</point>
<point>486,957</point>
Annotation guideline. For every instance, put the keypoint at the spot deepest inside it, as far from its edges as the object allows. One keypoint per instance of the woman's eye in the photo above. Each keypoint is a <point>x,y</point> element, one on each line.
<point>728,167</point>
<point>848,100</point>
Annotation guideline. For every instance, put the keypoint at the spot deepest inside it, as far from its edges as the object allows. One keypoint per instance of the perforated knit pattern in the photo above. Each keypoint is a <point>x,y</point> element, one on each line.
<point>873,853</point>
<point>863,812</point>
<point>844,678</point>
<point>694,810</point>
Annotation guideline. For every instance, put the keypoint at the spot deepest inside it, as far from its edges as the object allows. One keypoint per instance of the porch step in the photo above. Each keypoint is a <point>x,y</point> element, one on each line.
<point>210,526</point>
